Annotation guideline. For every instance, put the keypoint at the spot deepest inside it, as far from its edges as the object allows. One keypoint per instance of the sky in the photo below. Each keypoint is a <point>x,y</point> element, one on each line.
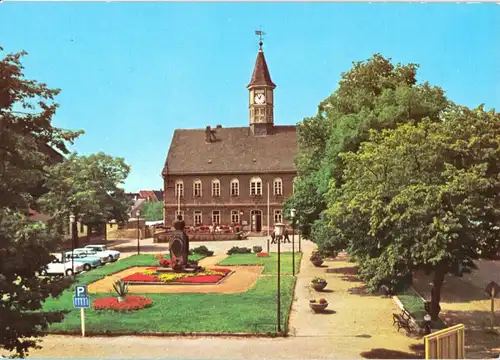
<point>132,72</point>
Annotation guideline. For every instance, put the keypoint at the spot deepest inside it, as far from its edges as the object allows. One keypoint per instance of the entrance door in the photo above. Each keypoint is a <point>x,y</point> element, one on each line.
<point>256,220</point>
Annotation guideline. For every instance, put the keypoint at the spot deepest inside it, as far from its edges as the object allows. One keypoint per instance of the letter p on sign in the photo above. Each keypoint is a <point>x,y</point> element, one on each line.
<point>81,290</point>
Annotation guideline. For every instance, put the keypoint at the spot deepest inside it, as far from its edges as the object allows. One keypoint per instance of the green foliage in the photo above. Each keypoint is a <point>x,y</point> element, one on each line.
<point>88,187</point>
<point>374,94</point>
<point>25,245</point>
<point>318,280</point>
<point>152,211</point>
<point>257,249</point>
<point>202,250</point>
<point>239,250</point>
<point>121,288</point>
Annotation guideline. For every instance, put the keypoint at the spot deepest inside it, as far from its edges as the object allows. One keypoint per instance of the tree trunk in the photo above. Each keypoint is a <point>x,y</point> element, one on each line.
<point>74,234</point>
<point>437,284</point>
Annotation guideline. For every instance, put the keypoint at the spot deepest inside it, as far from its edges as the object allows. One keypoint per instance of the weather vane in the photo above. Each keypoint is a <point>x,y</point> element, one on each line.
<point>261,34</point>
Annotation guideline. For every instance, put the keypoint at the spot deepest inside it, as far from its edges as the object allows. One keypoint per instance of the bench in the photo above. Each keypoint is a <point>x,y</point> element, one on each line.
<point>402,320</point>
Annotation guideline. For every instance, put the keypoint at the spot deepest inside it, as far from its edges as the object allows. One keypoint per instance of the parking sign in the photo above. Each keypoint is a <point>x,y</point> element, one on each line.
<point>81,300</point>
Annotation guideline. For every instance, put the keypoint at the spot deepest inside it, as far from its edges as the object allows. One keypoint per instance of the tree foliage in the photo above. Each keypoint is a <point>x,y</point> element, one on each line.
<point>423,196</point>
<point>152,211</point>
<point>374,94</point>
<point>26,111</point>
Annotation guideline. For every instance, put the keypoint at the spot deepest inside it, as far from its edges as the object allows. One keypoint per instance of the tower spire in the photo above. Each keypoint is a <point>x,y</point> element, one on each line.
<point>261,74</point>
<point>261,34</point>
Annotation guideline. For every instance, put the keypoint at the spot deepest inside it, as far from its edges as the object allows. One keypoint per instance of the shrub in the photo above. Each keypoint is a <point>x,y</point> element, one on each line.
<point>318,280</point>
<point>238,250</point>
<point>316,256</point>
<point>131,302</point>
<point>202,250</point>
<point>121,288</point>
<point>257,249</point>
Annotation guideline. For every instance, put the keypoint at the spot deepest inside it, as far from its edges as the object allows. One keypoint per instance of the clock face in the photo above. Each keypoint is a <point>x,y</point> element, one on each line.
<point>260,99</point>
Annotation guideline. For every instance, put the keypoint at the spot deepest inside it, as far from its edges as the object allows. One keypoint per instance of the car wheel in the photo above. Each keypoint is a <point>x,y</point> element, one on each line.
<point>110,258</point>
<point>87,267</point>
<point>69,272</point>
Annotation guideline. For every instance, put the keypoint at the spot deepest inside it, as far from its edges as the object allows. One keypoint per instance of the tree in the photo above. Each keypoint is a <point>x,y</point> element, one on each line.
<point>25,245</point>
<point>152,211</point>
<point>423,196</point>
<point>374,94</point>
<point>88,188</point>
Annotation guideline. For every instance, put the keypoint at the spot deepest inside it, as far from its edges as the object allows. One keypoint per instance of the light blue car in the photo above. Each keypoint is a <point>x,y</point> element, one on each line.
<point>88,262</point>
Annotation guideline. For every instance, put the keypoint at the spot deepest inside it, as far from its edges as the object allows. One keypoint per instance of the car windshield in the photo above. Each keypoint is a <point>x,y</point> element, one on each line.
<point>92,248</point>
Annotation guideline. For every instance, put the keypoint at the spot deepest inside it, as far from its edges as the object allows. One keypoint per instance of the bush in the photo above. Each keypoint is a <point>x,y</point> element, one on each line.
<point>238,250</point>
<point>257,249</point>
<point>202,250</point>
<point>131,302</point>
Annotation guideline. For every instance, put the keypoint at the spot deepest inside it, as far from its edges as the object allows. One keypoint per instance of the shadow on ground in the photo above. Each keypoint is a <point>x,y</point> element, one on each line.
<point>418,352</point>
<point>144,248</point>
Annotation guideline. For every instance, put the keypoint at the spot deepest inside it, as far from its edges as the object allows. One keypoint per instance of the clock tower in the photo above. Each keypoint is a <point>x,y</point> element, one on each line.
<point>261,99</point>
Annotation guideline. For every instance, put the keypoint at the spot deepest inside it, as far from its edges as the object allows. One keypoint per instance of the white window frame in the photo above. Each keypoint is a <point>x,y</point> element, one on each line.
<point>197,213</point>
<point>179,188</point>
<point>235,216</point>
<point>216,187</point>
<point>256,186</point>
<point>278,216</point>
<point>181,213</point>
<point>198,193</point>
<point>214,212</point>
<point>278,187</point>
<point>235,185</point>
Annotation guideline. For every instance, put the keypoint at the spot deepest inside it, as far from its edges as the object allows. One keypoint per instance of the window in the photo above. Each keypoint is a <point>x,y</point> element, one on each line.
<point>82,229</point>
<point>216,216</point>
<point>215,187</point>
<point>235,216</point>
<point>179,188</point>
<point>235,187</point>
<point>255,186</point>
<point>278,187</point>
<point>197,188</point>
<point>278,216</point>
<point>197,218</point>
<point>181,213</point>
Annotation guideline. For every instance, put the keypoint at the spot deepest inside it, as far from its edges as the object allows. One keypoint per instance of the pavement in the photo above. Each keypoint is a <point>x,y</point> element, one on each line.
<point>356,325</point>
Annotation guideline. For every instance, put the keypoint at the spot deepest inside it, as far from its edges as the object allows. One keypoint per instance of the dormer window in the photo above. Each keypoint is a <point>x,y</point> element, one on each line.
<point>256,186</point>
<point>216,187</point>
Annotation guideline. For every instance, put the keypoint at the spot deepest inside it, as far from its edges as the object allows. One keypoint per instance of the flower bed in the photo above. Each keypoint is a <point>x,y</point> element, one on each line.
<point>263,254</point>
<point>209,276</point>
<point>131,302</point>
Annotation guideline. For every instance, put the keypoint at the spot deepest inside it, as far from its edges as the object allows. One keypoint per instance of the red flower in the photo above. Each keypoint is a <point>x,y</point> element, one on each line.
<point>131,302</point>
<point>208,279</point>
<point>164,262</point>
<point>224,270</point>
<point>322,301</point>
<point>159,256</point>
<point>263,254</point>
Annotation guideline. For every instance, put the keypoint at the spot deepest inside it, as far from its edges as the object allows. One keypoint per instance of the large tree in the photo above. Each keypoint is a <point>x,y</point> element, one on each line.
<point>26,111</point>
<point>87,187</point>
<point>423,196</point>
<point>373,94</point>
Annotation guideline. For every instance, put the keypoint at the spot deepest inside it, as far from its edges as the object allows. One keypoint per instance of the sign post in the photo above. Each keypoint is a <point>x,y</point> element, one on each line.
<point>81,301</point>
<point>492,290</point>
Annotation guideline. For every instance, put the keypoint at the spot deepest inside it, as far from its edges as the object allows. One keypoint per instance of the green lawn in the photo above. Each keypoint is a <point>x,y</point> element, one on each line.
<point>412,302</point>
<point>270,263</point>
<point>251,312</point>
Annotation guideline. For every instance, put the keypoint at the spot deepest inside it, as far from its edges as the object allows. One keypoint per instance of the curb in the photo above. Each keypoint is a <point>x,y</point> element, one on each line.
<point>168,334</point>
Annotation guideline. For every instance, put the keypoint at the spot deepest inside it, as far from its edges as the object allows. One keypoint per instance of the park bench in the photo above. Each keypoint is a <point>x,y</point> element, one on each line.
<point>402,320</point>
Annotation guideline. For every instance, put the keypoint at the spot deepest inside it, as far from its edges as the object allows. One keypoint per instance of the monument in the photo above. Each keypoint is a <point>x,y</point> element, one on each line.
<point>179,247</point>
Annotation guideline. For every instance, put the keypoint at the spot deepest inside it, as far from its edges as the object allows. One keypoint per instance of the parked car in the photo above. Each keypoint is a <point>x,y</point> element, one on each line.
<point>89,252</point>
<point>58,267</point>
<point>112,255</point>
<point>88,261</point>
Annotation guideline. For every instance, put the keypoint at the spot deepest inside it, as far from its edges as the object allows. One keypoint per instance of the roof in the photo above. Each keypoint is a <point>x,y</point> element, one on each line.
<point>261,74</point>
<point>235,150</point>
<point>159,194</point>
<point>148,194</point>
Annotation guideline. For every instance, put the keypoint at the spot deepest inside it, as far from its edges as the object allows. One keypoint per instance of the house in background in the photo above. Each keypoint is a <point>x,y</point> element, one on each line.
<point>148,195</point>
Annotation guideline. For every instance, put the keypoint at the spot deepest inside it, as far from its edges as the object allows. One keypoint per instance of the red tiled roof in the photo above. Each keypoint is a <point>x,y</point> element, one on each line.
<point>148,194</point>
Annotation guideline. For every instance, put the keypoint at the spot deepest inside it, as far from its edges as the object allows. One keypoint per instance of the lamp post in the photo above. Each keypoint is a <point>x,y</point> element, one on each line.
<point>278,228</point>
<point>293,213</point>
<point>72,219</point>
<point>138,213</point>
<point>427,324</point>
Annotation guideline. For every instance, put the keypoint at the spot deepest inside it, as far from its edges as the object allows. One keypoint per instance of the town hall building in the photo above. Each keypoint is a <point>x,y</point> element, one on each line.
<point>234,175</point>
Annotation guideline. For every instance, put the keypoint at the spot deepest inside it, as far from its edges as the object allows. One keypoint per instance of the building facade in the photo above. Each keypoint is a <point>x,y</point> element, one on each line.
<point>238,175</point>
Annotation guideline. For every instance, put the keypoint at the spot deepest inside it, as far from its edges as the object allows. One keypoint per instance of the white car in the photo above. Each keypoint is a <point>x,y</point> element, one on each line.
<point>90,252</point>
<point>57,267</point>
<point>112,255</point>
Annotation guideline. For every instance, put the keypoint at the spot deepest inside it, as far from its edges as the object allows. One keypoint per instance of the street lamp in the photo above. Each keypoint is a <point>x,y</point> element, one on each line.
<point>138,232</point>
<point>278,229</point>
<point>427,324</point>
<point>72,219</point>
<point>293,213</point>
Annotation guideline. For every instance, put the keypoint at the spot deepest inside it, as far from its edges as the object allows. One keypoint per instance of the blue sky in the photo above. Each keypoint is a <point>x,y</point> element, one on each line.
<point>131,73</point>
